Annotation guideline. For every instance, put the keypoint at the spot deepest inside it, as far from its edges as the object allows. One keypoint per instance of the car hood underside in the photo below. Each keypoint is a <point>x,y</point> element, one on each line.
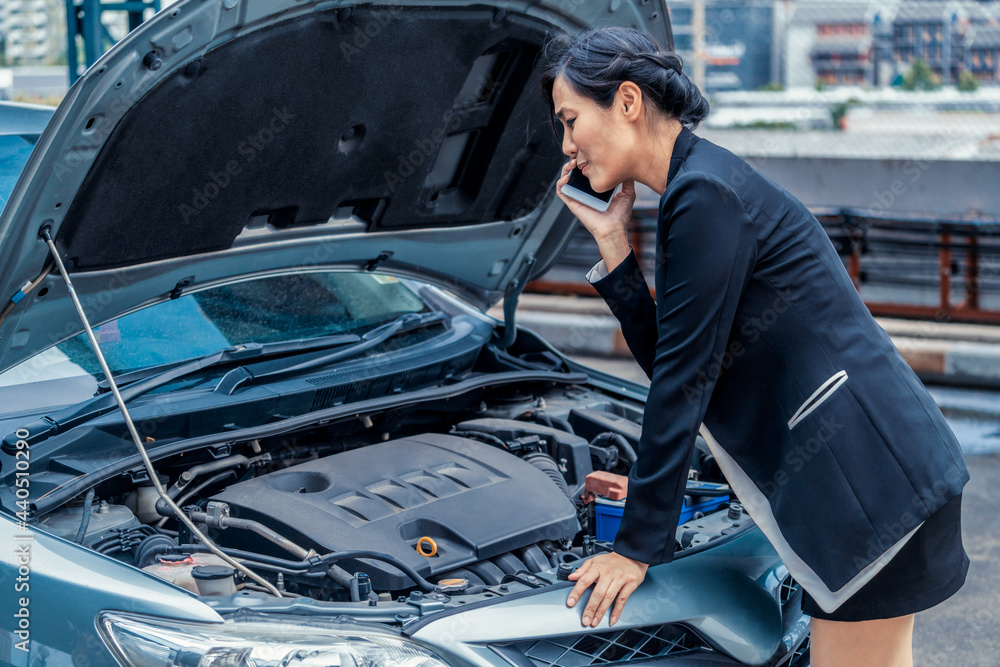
<point>223,139</point>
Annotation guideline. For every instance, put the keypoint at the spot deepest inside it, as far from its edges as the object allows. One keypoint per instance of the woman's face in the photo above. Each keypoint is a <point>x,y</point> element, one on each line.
<point>596,137</point>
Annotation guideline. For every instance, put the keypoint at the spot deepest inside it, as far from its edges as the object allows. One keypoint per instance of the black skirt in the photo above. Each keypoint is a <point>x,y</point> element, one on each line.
<point>926,571</point>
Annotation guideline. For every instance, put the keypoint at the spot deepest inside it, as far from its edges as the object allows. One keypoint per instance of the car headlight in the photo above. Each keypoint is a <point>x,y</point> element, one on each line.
<point>142,641</point>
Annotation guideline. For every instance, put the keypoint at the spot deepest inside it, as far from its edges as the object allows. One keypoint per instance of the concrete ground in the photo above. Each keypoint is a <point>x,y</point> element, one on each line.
<point>963,631</point>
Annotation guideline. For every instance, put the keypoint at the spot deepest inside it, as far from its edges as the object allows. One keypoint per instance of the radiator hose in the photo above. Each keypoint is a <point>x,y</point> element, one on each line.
<point>625,450</point>
<point>548,465</point>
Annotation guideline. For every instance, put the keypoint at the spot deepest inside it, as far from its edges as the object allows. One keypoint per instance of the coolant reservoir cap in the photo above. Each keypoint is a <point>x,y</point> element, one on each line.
<point>456,585</point>
<point>211,572</point>
<point>175,559</point>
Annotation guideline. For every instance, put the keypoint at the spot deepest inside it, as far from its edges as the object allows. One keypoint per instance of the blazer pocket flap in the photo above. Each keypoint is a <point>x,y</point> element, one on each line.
<point>822,393</point>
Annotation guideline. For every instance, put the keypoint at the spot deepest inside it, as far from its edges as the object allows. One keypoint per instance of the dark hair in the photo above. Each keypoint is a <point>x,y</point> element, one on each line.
<point>596,62</point>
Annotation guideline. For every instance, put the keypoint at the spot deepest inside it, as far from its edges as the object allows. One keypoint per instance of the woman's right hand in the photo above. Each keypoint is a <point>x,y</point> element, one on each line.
<point>614,577</point>
<point>610,228</point>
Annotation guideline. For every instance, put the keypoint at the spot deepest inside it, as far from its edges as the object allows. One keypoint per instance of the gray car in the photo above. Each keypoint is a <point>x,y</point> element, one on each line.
<point>282,222</point>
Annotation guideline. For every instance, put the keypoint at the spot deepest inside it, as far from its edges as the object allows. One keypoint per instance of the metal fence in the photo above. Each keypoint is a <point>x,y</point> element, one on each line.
<point>903,267</point>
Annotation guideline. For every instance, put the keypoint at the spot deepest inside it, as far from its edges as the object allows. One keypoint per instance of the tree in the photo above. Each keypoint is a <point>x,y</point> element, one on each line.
<point>920,77</point>
<point>967,81</point>
<point>838,113</point>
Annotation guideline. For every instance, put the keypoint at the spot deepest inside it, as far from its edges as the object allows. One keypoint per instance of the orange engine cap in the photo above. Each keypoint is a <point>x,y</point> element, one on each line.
<point>431,543</point>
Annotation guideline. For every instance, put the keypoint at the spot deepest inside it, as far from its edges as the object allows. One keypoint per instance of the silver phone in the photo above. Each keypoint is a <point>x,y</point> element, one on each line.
<point>578,188</point>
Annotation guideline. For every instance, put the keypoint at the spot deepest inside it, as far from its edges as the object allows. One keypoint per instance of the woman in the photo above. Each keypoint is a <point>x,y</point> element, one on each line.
<point>759,341</point>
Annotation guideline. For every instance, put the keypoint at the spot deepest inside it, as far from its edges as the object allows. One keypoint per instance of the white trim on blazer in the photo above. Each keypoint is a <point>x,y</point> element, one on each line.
<point>759,509</point>
<point>815,400</point>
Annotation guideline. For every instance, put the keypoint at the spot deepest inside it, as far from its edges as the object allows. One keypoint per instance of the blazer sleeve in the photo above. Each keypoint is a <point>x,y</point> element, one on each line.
<point>626,293</point>
<point>708,251</point>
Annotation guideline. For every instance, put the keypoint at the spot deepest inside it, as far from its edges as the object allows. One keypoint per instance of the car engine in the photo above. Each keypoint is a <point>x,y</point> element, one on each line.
<point>461,497</point>
<point>463,500</point>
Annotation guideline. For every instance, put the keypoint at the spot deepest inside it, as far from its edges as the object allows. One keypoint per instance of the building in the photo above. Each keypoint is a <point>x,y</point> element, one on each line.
<point>33,31</point>
<point>982,53</point>
<point>842,50</point>
<point>737,44</point>
<point>25,23</point>
<point>940,33</point>
<point>828,42</point>
<point>935,32</point>
<point>873,42</point>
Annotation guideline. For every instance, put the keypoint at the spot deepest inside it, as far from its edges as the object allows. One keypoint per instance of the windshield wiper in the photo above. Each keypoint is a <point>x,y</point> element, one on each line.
<point>353,345</point>
<point>104,403</point>
<point>235,353</point>
<point>241,375</point>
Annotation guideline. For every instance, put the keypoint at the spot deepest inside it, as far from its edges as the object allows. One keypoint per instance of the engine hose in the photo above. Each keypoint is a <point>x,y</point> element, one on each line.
<point>85,520</point>
<point>188,476</point>
<point>545,419</point>
<point>625,450</point>
<point>343,578</point>
<point>563,424</point>
<point>248,558</point>
<point>300,567</point>
<point>190,493</point>
<point>487,438</point>
<point>151,547</point>
<point>548,465</point>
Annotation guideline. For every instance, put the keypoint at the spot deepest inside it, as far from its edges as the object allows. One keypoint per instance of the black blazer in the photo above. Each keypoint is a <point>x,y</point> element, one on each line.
<point>759,340</point>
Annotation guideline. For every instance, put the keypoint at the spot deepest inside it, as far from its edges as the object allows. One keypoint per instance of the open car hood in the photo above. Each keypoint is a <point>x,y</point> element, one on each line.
<point>229,138</point>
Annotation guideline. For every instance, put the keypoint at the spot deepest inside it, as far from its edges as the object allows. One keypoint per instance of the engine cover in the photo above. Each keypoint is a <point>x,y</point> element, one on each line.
<point>474,500</point>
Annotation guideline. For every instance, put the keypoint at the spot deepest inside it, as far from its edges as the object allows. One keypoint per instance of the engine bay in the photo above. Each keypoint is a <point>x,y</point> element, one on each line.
<point>450,497</point>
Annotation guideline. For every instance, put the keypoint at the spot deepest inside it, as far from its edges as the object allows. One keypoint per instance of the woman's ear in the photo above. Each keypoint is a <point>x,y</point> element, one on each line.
<point>629,101</point>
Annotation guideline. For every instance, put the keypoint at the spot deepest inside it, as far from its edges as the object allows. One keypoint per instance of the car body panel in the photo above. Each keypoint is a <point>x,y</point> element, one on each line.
<point>66,586</point>
<point>726,594</point>
<point>716,593</point>
<point>20,127</point>
<point>17,118</point>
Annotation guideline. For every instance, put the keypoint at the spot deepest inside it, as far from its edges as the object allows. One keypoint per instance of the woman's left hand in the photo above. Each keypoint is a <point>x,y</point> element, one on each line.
<point>614,577</point>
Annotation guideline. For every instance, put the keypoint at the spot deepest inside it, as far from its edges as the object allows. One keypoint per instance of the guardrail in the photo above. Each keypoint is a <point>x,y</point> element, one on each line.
<point>910,267</point>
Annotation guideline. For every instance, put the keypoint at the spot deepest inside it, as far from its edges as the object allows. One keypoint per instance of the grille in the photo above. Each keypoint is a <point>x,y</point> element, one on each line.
<point>787,589</point>
<point>611,647</point>
<point>800,658</point>
<point>360,390</point>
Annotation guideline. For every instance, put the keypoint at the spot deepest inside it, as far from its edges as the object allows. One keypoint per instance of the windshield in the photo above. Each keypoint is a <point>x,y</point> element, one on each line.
<point>15,149</point>
<point>264,310</point>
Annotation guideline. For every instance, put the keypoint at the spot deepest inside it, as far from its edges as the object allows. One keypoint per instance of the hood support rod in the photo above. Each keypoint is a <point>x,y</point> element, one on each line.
<point>46,234</point>
<point>510,297</point>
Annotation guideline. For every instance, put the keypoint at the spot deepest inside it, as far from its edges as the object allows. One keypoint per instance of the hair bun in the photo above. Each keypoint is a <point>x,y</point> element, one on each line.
<point>596,62</point>
<point>664,59</point>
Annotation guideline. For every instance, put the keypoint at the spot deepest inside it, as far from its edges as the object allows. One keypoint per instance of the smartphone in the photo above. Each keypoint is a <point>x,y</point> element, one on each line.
<point>578,188</point>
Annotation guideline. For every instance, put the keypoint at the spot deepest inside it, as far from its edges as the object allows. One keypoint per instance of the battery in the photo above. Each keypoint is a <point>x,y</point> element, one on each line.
<point>608,513</point>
